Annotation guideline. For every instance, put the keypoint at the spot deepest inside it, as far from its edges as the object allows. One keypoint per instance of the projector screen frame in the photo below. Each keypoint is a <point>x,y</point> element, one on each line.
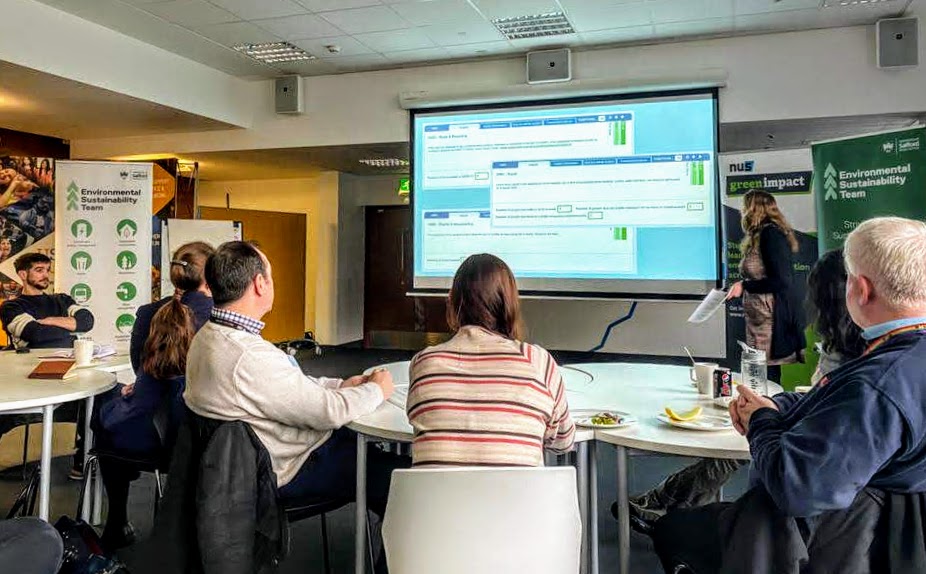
<point>721,259</point>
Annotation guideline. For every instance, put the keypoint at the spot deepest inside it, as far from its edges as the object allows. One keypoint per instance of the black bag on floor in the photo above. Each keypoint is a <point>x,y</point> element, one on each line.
<point>83,551</point>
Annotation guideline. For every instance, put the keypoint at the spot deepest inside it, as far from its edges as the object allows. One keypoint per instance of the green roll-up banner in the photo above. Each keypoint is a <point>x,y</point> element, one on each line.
<point>869,176</point>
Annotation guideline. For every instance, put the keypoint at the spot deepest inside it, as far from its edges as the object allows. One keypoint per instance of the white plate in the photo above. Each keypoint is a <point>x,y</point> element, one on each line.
<point>702,423</point>
<point>586,421</point>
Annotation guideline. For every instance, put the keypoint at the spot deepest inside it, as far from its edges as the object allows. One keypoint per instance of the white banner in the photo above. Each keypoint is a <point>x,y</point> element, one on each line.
<point>103,242</point>
<point>784,173</point>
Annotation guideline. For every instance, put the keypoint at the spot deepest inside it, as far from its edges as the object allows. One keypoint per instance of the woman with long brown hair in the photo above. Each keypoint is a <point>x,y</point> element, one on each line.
<point>161,339</point>
<point>774,319</point>
<point>485,398</point>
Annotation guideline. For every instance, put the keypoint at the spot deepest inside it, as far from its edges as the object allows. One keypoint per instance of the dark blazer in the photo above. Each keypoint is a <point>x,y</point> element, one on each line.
<point>221,514</point>
<point>199,303</point>
<point>788,319</point>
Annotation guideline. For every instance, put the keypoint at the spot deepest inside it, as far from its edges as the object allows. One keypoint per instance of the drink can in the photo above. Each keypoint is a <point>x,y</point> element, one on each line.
<point>723,383</point>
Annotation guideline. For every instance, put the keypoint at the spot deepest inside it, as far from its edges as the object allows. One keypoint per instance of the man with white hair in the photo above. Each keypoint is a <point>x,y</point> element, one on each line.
<point>822,462</point>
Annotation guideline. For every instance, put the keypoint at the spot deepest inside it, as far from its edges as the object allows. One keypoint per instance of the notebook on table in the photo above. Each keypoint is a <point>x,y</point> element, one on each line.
<point>54,370</point>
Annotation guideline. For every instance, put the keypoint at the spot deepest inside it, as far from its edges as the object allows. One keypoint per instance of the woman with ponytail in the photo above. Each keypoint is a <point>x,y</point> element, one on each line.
<point>161,338</point>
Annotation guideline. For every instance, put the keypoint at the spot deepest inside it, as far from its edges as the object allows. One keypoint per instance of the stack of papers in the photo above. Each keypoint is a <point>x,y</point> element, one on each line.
<point>400,396</point>
<point>99,352</point>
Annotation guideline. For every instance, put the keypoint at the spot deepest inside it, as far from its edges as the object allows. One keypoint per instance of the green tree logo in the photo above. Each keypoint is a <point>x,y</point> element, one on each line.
<point>829,183</point>
<point>124,323</point>
<point>73,196</point>
<point>126,260</point>
<point>81,293</point>
<point>126,291</point>
<point>81,229</point>
<point>81,261</point>
<point>126,229</point>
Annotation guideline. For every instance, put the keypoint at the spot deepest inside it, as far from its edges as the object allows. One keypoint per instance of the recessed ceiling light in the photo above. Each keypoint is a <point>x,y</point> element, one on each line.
<point>842,3</point>
<point>385,162</point>
<point>534,26</point>
<point>274,52</point>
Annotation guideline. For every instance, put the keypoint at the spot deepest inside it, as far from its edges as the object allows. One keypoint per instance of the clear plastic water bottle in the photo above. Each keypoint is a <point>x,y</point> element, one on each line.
<point>755,370</point>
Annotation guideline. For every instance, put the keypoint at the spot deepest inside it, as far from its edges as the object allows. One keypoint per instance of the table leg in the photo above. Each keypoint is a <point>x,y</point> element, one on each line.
<point>623,504</point>
<point>582,481</point>
<point>48,421</point>
<point>360,528</point>
<point>88,440</point>
<point>593,506</point>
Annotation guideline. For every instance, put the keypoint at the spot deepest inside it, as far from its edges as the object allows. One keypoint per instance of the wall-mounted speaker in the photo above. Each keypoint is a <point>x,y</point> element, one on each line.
<point>897,43</point>
<point>544,66</point>
<point>288,95</point>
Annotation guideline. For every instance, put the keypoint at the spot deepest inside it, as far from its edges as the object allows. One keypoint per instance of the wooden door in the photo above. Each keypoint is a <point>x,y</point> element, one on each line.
<point>281,236</point>
<point>390,317</point>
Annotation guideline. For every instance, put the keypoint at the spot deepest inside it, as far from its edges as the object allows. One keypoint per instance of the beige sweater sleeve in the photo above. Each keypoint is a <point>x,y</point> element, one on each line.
<point>270,386</point>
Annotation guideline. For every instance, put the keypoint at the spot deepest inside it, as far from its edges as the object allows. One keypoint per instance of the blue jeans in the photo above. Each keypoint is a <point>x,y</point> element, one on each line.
<point>331,472</point>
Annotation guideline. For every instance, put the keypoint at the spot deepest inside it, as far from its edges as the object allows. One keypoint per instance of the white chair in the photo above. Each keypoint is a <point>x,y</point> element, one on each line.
<point>483,521</point>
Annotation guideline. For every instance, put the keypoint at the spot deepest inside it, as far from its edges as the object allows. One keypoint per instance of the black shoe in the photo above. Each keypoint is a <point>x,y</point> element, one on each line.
<point>120,539</point>
<point>641,520</point>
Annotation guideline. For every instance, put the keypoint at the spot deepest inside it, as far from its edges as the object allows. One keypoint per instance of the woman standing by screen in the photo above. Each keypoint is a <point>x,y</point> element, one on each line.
<point>774,322</point>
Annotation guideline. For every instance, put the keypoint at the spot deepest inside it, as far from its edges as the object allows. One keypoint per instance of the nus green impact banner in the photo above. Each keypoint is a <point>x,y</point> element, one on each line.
<point>869,176</point>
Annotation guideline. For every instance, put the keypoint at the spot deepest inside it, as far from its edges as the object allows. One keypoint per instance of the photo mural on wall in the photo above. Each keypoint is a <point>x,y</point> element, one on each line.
<point>27,216</point>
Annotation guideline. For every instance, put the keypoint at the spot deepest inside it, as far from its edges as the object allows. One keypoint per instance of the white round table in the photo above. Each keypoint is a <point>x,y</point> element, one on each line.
<point>643,390</point>
<point>19,394</point>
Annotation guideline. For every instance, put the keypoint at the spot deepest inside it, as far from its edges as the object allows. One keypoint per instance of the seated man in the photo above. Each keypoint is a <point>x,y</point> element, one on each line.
<point>824,460</point>
<point>36,319</point>
<point>234,374</point>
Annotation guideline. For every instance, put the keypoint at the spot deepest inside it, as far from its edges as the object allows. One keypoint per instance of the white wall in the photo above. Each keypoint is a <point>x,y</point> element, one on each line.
<point>815,73</point>
<point>40,37</point>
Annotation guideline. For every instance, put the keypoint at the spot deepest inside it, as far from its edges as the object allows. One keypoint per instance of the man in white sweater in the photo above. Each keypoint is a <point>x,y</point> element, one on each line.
<point>234,374</point>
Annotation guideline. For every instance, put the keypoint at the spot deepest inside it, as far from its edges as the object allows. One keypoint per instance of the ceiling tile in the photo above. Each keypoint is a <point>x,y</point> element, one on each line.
<point>666,11</point>
<point>327,5</point>
<point>493,9</point>
<point>587,16</point>
<point>618,35</point>
<point>362,20</point>
<point>743,7</point>
<point>364,62</point>
<point>348,45</point>
<point>418,56</point>
<point>437,12</point>
<point>565,40</point>
<point>306,68</point>
<point>396,40</point>
<point>140,2</point>
<point>300,27</point>
<point>790,20</point>
<point>695,28</point>
<point>257,9</point>
<point>453,34</point>
<point>482,49</point>
<point>236,33</point>
<point>190,13</point>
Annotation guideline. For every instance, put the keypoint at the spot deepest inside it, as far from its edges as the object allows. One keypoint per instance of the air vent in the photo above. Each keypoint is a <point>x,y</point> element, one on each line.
<point>274,52</point>
<point>385,162</point>
<point>535,26</point>
<point>846,3</point>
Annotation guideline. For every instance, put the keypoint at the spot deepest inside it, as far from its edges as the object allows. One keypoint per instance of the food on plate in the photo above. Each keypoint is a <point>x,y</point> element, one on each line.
<point>685,416</point>
<point>606,419</point>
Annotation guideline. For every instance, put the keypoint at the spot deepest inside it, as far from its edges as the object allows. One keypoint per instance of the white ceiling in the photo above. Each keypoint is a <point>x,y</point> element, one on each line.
<point>383,34</point>
<point>36,102</point>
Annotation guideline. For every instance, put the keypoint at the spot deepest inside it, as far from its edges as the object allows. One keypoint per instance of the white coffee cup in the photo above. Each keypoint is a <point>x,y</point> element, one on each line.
<point>703,375</point>
<point>83,352</point>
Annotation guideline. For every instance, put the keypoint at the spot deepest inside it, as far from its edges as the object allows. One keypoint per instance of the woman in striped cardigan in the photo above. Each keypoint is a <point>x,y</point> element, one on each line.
<point>485,398</point>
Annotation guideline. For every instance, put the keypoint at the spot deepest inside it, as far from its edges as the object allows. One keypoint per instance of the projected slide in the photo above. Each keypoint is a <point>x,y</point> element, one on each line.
<point>614,197</point>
